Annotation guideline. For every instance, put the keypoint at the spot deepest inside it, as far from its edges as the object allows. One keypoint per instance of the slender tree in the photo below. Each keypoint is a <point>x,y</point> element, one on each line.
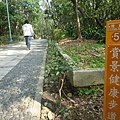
<point>75,2</point>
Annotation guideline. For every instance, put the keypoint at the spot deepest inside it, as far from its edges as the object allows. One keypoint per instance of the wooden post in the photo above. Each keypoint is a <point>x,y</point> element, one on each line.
<point>111,109</point>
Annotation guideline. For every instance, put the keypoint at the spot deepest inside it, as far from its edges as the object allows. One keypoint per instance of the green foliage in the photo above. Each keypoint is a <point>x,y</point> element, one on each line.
<point>19,10</point>
<point>91,90</point>
<point>96,63</point>
<point>58,34</point>
<point>93,16</point>
<point>58,17</point>
<point>6,39</point>
<point>96,34</point>
<point>56,64</point>
<point>87,55</point>
<point>62,111</point>
<point>61,11</point>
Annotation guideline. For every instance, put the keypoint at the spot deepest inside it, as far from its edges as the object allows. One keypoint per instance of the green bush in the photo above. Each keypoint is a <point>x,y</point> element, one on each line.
<point>58,34</point>
<point>94,33</point>
<point>56,64</point>
<point>6,39</point>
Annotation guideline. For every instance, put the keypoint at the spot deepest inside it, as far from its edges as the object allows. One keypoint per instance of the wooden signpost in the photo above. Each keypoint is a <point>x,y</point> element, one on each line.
<point>111,109</point>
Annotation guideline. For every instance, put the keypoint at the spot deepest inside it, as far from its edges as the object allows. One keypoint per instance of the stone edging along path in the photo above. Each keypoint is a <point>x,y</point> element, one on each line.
<point>83,77</point>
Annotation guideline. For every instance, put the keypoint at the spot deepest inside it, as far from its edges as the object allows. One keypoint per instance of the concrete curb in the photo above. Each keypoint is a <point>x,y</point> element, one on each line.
<point>36,109</point>
<point>82,77</point>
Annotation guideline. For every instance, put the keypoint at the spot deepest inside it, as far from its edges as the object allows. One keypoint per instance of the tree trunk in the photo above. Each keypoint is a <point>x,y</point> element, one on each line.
<point>85,14</point>
<point>78,20</point>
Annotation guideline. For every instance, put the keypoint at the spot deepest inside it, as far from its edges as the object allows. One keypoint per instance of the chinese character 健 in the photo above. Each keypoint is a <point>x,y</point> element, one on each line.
<point>114,79</point>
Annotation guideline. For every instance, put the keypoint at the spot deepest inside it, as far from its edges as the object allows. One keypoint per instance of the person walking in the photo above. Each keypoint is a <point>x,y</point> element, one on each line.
<point>28,33</point>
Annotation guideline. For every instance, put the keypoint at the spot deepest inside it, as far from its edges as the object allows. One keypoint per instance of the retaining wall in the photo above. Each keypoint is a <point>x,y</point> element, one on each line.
<point>83,77</point>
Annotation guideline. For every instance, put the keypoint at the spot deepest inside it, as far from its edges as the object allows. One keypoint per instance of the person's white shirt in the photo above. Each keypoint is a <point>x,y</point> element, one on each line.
<point>27,30</point>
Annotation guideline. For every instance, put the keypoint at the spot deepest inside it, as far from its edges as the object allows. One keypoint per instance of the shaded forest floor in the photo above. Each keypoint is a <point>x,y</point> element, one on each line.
<point>75,103</point>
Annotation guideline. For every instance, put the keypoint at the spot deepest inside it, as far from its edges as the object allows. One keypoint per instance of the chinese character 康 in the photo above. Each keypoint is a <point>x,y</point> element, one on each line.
<point>113,92</point>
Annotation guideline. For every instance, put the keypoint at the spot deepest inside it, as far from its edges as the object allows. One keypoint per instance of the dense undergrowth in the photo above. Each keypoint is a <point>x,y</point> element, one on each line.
<point>68,103</point>
<point>6,39</point>
<point>56,64</point>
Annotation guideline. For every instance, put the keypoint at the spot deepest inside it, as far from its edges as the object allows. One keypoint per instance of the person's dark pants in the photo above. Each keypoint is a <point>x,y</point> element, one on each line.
<point>28,40</point>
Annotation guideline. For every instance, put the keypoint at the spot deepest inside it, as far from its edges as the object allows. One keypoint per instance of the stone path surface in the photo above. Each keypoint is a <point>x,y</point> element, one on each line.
<point>21,80</point>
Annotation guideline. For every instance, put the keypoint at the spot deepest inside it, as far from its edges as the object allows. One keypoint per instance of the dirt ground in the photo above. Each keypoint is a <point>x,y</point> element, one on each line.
<point>75,103</point>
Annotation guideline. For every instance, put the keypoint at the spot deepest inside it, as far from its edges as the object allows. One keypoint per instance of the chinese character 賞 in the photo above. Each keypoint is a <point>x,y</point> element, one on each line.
<point>115,52</point>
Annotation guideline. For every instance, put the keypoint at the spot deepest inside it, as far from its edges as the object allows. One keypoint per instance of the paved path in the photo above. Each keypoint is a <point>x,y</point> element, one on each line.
<point>21,80</point>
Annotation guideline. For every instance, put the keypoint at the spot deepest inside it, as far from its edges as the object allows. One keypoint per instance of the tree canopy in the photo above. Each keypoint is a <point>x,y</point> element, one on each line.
<point>19,10</point>
<point>60,18</point>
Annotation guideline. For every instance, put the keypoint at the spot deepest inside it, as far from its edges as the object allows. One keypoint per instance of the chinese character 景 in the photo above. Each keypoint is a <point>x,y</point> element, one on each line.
<point>115,66</point>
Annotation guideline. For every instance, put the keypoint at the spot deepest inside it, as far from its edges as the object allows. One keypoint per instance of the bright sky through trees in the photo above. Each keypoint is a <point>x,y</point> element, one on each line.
<point>43,3</point>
